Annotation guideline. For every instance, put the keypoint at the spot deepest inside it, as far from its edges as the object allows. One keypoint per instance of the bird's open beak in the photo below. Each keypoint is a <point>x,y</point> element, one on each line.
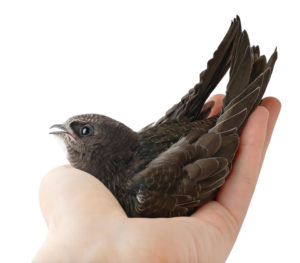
<point>61,127</point>
<point>62,130</point>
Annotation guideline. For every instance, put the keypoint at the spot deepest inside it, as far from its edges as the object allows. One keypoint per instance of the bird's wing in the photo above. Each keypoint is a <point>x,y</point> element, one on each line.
<point>188,173</point>
<point>184,177</point>
<point>250,73</point>
<point>191,105</point>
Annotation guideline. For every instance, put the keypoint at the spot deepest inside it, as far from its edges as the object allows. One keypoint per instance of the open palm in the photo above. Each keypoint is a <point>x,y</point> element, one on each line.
<point>87,224</point>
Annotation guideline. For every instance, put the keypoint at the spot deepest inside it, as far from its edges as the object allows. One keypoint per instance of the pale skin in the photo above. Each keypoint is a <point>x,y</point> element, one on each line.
<point>87,224</point>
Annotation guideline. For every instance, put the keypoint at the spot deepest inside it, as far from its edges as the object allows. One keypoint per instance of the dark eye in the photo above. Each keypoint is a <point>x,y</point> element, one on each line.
<point>86,130</point>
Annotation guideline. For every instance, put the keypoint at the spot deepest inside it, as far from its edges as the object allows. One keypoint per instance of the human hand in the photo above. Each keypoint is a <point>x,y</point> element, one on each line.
<point>87,224</point>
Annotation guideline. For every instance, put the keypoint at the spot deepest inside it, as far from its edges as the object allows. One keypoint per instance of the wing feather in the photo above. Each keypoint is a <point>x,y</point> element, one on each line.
<point>183,177</point>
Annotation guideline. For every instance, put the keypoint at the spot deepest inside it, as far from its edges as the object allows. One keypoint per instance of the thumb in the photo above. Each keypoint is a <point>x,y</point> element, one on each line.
<point>68,193</point>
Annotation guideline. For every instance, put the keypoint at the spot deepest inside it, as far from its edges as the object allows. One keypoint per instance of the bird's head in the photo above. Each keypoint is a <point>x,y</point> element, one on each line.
<point>93,138</point>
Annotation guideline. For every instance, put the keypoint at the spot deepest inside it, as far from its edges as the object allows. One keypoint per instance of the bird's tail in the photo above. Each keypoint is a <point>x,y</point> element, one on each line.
<point>249,76</point>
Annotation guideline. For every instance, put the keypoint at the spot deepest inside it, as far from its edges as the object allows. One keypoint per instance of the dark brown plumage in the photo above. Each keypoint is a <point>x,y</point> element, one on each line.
<point>174,166</point>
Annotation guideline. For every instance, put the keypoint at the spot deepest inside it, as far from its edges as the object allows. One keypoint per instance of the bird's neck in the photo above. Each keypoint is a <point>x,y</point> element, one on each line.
<point>109,162</point>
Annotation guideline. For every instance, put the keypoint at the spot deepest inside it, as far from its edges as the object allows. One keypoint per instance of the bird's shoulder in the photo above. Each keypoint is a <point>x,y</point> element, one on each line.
<point>171,131</point>
<point>155,139</point>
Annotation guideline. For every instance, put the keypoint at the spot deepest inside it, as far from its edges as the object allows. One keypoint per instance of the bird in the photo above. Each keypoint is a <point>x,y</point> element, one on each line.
<point>177,164</point>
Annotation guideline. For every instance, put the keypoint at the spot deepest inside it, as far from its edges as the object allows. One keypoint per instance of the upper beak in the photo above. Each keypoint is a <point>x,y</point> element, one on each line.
<point>61,127</point>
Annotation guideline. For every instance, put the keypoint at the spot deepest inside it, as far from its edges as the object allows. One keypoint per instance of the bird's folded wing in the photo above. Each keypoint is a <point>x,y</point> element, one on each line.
<point>184,177</point>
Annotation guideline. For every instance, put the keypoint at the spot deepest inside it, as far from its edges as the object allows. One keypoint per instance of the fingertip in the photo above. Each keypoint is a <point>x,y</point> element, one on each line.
<point>271,99</point>
<point>262,112</point>
<point>218,99</point>
<point>272,104</point>
<point>259,117</point>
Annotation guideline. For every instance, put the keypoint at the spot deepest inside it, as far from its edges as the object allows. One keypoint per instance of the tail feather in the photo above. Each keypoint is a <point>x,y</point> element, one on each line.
<point>249,77</point>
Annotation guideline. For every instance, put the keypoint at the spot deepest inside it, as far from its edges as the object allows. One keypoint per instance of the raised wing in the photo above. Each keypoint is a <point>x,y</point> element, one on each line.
<point>191,105</point>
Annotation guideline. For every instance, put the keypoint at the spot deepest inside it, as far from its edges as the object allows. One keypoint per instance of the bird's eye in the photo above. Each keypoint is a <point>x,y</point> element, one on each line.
<point>86,130</point>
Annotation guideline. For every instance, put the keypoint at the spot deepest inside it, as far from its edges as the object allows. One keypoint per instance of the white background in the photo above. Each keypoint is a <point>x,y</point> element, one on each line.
<point>132,60</point>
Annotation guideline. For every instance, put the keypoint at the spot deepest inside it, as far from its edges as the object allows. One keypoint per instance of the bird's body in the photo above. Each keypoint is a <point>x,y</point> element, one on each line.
<point>174,166</point>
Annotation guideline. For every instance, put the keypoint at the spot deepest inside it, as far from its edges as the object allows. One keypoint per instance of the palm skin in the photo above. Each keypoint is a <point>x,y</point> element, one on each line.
<point>87,224</point>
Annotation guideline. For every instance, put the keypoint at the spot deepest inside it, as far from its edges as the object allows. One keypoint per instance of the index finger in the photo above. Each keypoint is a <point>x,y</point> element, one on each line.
<point>237,192</point>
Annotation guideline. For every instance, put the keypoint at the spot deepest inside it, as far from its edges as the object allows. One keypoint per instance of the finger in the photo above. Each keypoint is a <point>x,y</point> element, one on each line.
<point>218,99</point>
<point>237,192</point>
<point>66,192</point>
<point>273,105</point>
